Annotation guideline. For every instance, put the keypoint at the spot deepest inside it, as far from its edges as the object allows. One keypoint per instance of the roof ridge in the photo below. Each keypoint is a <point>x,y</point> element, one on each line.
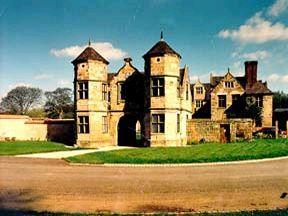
<point>161,48</point>
<point>89,54</point>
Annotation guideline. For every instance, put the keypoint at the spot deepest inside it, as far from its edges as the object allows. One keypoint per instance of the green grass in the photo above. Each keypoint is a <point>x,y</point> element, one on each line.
<point>27,147</point>
<point>209,152</point>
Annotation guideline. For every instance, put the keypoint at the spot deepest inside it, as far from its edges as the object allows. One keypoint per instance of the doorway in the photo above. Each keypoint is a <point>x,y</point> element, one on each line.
<point>225,135</point>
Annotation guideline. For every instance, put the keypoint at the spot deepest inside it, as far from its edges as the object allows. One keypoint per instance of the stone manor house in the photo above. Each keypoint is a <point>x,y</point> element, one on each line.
<point>159,106</point>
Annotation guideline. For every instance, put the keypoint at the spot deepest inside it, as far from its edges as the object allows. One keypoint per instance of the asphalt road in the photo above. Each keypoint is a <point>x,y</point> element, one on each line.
<point>54,185</point>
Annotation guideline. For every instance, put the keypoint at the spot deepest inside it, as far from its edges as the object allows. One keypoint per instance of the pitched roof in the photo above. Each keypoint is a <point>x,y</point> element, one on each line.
<point>89,54</point>
<point>259,88</point>
<point>214,80</point>
<point>159,49</point>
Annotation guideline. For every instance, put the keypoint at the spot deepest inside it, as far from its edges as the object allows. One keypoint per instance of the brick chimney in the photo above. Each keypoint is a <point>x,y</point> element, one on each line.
<point>251,73</point>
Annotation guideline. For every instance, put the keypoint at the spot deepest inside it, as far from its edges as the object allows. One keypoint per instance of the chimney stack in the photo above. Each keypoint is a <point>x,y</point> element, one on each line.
<point>251,73</point>
<point>127,60</point>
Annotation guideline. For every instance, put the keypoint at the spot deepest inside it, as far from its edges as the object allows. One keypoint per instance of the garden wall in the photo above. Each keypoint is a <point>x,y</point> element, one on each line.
<point>18,127</point>
<point>209,131</point>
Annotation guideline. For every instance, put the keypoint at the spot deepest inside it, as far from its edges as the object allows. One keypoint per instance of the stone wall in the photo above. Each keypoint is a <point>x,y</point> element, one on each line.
<point>18,127</point>
<point>218,113</point>
<point>208,130</point>
<point>267,110</point>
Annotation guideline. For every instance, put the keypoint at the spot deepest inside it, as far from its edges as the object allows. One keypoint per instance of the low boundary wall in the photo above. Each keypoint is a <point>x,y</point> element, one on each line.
<point>19,127</point>
<point>209,131</point>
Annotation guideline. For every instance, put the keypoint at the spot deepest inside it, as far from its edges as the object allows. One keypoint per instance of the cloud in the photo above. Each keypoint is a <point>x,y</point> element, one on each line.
<point>64,82</point>
<point>273,77</point>
<point>12,86</point>
<point>277,78</point>
<point>106,49</point>
<point>42,77</point>
<point>256,30</point>
<point>285,78</point>
<point>277,8</point>
<point>260,54</point>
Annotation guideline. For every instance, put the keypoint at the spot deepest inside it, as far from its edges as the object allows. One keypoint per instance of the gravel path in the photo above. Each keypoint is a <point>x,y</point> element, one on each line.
<point>53,185</point>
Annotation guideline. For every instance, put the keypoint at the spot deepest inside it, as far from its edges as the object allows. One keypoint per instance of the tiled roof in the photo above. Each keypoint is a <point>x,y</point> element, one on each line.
<point>259,88</point>
<point>89,54</point>
<point>215,80</point>
<point>159,49</point>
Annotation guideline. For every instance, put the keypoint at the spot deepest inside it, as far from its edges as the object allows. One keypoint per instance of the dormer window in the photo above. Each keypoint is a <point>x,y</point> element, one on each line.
<point>199,90</point>
<point>229,84</point>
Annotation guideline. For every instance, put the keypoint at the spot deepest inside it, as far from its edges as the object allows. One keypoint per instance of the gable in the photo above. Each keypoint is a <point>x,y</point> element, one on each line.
<point>221,86</point>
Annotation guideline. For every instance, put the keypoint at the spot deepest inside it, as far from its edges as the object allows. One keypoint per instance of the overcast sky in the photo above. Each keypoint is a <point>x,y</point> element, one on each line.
<point>39,39</point>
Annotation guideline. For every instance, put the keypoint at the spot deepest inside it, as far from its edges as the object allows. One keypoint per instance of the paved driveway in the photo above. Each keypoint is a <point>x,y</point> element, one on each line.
<point>53,185</point>
<point>66,154</point>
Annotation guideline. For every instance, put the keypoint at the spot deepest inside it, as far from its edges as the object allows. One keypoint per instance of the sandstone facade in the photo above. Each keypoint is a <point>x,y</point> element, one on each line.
<point>154,107</point>
<point>210,130</point>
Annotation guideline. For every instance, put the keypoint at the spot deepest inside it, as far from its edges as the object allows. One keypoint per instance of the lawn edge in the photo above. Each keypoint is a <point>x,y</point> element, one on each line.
<point>251,161</point>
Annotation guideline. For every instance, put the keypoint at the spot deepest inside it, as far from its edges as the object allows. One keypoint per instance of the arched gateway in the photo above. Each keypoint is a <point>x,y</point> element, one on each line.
<point>130,131</point>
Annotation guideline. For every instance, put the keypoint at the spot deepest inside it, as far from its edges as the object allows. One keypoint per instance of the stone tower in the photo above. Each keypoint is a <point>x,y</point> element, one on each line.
<point>91,95</point>
<point>163,116</point>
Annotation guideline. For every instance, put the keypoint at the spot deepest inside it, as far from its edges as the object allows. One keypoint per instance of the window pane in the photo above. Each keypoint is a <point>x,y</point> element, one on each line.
<point>161,118</point>
<point>154,128</point>
<point>161,128</point>
<point>161,81</point>
<point>154,91</point>
<point>154,118</point>
<point>161,91</point>
<point>154,82</point>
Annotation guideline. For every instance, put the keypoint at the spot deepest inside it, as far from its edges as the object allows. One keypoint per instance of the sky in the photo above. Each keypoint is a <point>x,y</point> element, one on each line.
<point>39,39</point>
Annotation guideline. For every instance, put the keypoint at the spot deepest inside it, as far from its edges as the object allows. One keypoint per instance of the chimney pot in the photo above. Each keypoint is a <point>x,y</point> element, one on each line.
<point>127,59</point>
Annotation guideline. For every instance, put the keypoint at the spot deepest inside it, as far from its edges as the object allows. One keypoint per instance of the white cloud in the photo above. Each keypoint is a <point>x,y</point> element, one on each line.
<point>42,77</point>
<point>260,54</point>
<point>194,78</point>
<point>273,77</point>
<point>277,78</point>
<point>64,82</point>
<point>277,8</point>
<point>285,78</point>
<point>105,49</point>
<point>256,30</point>
<point>14,85</point>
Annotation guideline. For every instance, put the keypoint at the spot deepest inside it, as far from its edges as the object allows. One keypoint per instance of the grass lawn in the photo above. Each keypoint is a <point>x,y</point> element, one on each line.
<point>27,147</point>
<point>208,152</point>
